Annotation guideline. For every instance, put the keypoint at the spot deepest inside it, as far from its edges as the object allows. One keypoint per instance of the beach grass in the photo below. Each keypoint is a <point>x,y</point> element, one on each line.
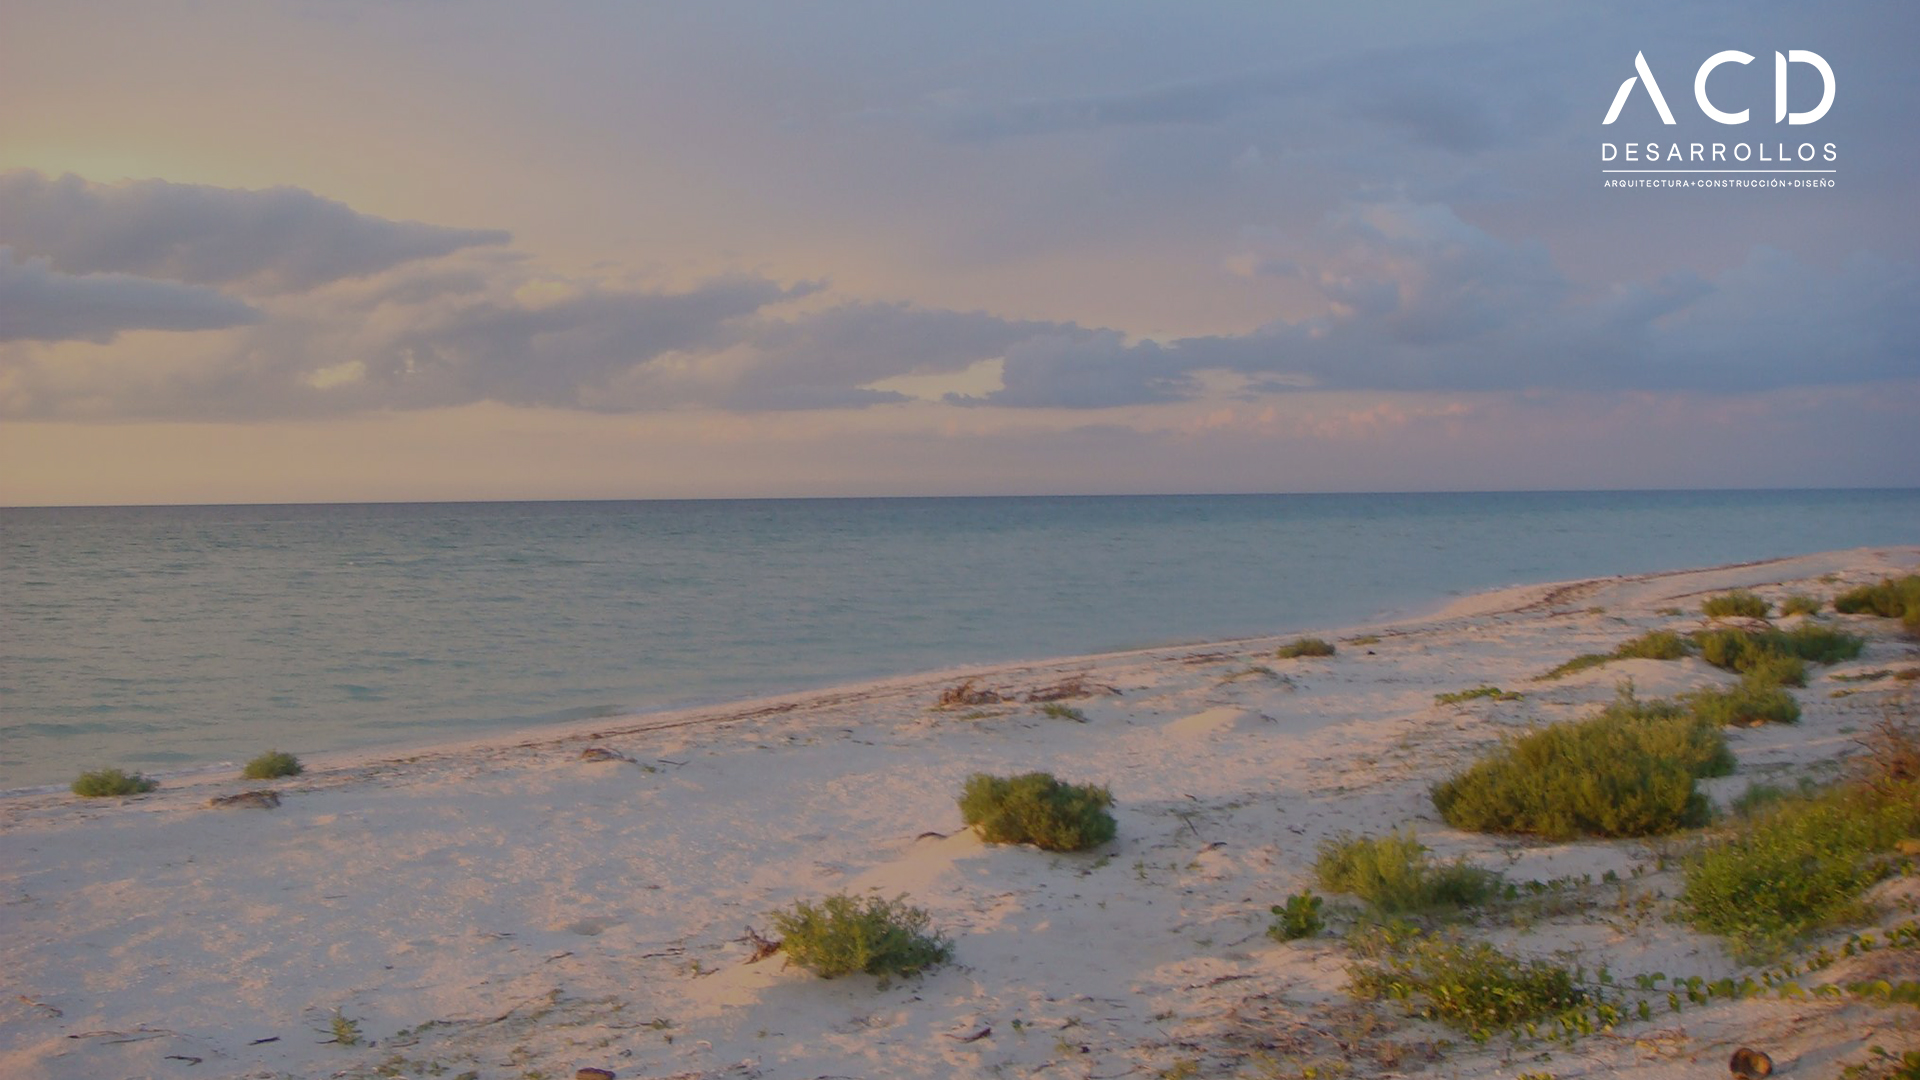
<point>845,935</point>
<point>107,782</point>
<point>1394,874</point>
<point>1035,808</point>
<point>1739,603</point>
<point>1628,771</point>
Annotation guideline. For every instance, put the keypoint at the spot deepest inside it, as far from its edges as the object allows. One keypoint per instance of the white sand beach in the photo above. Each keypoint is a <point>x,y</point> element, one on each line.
<point>507,909</point>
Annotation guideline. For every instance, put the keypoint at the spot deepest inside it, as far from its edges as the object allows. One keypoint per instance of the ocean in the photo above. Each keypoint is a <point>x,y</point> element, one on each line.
<point>176,638</point>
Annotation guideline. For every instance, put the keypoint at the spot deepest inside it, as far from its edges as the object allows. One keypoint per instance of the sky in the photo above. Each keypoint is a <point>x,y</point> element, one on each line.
<point>342,250</point>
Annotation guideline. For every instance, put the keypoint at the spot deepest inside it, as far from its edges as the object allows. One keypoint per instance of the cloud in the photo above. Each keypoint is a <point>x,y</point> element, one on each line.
<point>823,359</point>
<point>38,303</point>
<point>278,239</point>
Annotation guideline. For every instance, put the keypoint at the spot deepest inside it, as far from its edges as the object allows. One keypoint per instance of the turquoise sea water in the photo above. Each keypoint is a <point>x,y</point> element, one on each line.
<point>164,638</point>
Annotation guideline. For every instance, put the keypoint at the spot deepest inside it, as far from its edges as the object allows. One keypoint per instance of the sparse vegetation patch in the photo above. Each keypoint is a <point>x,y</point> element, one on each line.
<point>1472,987</point>
<point>105,782</point>
<point>1459,696</point>
<point>1035,808</point>
<point>842,935</point>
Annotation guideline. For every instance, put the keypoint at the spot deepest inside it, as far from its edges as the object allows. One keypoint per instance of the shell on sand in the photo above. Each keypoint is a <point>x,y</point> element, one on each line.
<point>1750,1063</point>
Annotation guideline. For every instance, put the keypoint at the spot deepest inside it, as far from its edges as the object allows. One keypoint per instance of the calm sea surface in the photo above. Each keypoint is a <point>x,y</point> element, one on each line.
<point>166,638</point>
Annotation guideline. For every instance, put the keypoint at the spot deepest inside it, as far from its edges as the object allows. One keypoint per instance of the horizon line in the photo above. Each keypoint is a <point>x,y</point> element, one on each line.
<point>972,495</point>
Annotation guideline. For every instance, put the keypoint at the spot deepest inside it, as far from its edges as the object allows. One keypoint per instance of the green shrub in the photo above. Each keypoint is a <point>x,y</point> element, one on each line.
<point>1745,650</point>
<point>1037,809</point>
<point>1739,602</point>
<point>1800,864</point>
<point>1299,918</point>
<point>842,935</point>
<point>1628,771</point>
<point>1459,696</point>
<point>94,785</point>
<point>1800,604</point>
<point>1750,703</point>
<point>1394,874</point>
<point>1652,645</point>
<point>272,765</point>
<point>1474,988</point>
<point>1891,599</point>
<point>1306,646</point>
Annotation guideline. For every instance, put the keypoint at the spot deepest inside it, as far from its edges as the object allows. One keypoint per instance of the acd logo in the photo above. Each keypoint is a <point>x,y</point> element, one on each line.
<point>1794,56</point>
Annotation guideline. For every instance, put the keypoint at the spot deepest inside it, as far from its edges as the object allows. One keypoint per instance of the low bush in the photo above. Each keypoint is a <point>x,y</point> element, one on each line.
<point>1298,918</point>
<point>1652,645</point>
<point>1800,604</point>
<point>1799,864</point>
<point>1058,711</point>
<point>1747,650</point>
<point>1892,598</point>
<point>1628,771</point>
<point>1306,646</point>
<point>1459,696</point>
<point>105,782</point>
<point>1471,987</point>
<point>842,935</point>
<point>1037,809</point>
<point>1740,602</point>
<point>272,765</point>
<point>1751,703</point>
<point>1393,874</point>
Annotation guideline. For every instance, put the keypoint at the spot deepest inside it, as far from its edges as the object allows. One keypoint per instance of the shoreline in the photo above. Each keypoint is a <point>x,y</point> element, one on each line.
<point>503,907</point>
<point>1509,599</point>
<point>1490,601</point>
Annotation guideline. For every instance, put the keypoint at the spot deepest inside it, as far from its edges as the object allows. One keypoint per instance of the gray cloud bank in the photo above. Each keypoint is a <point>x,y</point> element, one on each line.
<point>281,239</point>
<point>38,304</point>
<point>385,315</point>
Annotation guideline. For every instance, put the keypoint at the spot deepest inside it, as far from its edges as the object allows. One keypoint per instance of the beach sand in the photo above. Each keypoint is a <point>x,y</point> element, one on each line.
<point>507,909</point>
